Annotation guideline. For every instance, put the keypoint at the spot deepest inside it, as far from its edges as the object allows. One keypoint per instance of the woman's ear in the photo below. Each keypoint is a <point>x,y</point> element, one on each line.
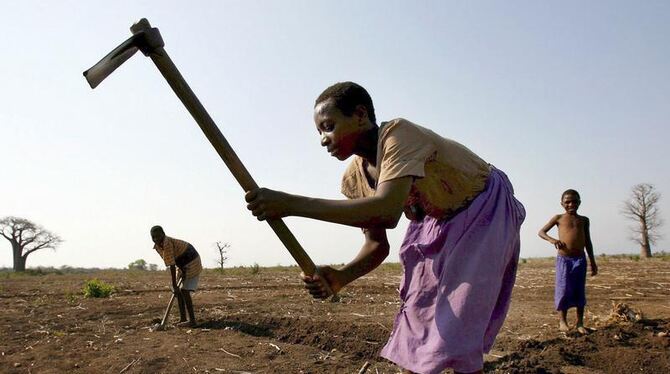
<point>361,113</point>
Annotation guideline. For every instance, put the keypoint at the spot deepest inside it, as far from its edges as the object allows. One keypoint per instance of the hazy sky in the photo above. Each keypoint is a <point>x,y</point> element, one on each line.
<point>558,94</point>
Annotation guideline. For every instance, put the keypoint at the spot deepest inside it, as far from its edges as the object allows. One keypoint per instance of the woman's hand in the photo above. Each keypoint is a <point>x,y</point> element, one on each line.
<point>267,204</point>
<point>315,283</point>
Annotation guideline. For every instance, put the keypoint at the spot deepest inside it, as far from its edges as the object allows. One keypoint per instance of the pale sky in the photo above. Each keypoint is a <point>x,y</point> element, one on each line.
<point>558,94</point>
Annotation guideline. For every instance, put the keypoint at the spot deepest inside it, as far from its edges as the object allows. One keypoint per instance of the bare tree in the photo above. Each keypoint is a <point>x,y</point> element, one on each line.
<point>26,237</point>
<point>642,208</point>
<point>223,251</point>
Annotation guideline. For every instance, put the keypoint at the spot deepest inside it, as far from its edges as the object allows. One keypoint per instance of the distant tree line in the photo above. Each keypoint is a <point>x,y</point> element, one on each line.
<point>142,265</point>
<point>27,237</point>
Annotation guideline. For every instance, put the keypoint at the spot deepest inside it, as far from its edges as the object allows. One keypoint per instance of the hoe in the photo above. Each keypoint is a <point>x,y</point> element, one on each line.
<point>148,40</point>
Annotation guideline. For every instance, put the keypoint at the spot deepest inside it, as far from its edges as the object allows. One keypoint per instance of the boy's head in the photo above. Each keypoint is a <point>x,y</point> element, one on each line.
<point>342,113</point>
<point>570,201</point>
<point>157,235</point>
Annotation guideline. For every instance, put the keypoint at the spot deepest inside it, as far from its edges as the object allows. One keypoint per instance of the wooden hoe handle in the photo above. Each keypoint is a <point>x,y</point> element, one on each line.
<point>169,307</point>
<point>188,98</point>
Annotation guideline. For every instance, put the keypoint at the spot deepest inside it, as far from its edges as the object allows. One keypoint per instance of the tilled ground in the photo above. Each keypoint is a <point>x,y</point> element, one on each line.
<point>266,323</point>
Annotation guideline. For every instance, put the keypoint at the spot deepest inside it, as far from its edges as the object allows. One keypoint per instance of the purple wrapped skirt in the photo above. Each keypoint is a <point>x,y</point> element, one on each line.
<point>457,283</point>
<point>570,282</point>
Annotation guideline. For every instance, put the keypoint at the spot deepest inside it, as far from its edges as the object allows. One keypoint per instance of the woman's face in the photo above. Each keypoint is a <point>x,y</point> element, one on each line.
<point>339,133</point>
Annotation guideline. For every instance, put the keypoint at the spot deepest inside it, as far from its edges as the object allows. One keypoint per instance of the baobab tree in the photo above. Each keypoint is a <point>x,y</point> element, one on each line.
<point>26,237</point>
<point>642,208</point>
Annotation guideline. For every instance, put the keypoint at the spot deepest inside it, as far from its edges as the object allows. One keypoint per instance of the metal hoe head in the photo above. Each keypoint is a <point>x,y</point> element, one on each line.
<point>157,327</point>
<point>145,38</point>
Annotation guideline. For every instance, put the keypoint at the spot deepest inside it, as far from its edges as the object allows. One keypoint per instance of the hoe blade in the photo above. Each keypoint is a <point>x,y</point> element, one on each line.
<point>109,63</point>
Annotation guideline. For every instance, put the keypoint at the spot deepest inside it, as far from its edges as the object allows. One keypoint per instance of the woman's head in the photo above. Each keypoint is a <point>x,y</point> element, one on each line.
<point>347,97</point>
<point>342,114</point>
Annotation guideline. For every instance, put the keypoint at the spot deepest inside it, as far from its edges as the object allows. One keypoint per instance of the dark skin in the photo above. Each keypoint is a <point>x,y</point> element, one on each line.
<point>573,237</point>
<point>343,136</point>
<point>183,296</point>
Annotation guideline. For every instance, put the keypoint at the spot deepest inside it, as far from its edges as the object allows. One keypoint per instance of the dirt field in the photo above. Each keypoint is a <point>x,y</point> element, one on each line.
<point>265,323</point>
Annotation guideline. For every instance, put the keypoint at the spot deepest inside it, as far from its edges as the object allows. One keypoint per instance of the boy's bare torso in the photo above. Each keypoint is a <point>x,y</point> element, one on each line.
<point>571,231</point>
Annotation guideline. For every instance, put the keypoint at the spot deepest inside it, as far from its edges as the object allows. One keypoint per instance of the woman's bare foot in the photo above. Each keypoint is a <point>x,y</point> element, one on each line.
<point>581,329</point>
<point>563,326</point>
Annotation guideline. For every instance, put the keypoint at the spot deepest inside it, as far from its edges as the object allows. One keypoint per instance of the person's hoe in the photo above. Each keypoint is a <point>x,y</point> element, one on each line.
<point>148,40</point>
<point>160,326</point>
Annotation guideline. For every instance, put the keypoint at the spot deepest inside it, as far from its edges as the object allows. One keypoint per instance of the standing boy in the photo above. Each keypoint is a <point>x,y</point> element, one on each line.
<point>178,253</point>
<point>573,237</point>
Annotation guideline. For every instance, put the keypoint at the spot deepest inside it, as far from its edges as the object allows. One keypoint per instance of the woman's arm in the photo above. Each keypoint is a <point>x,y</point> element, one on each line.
<point>372,254</point>
<point>381,210</point>
<point>374,251</point>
